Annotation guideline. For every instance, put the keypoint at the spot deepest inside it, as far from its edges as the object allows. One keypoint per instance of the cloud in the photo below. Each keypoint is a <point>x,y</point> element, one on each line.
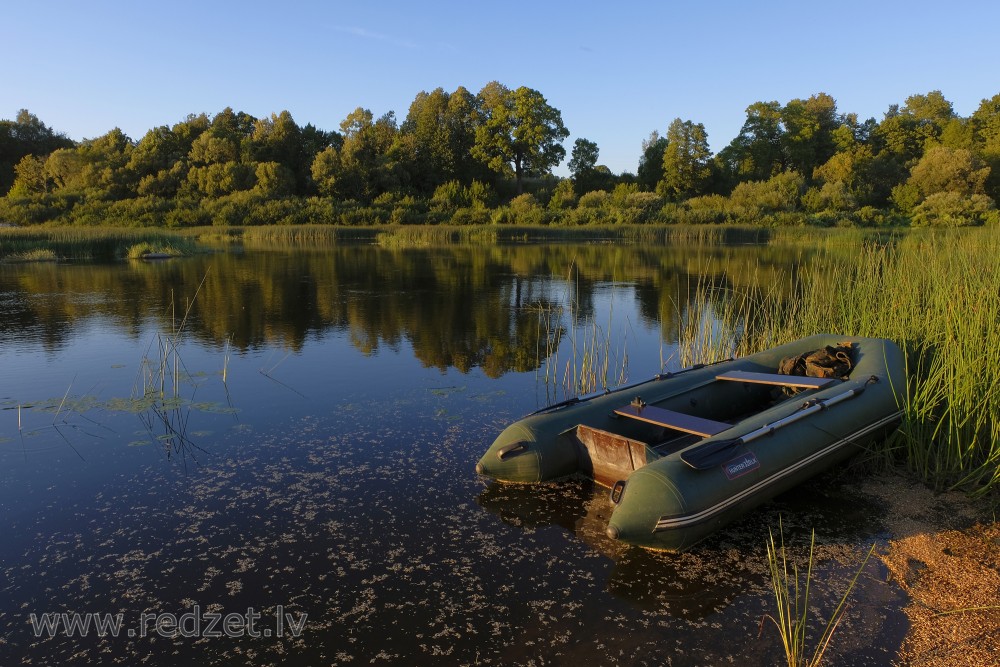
<point>368,34</point>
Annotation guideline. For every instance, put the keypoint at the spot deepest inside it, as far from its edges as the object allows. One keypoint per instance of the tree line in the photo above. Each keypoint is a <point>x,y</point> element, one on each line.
<point>488,157</point>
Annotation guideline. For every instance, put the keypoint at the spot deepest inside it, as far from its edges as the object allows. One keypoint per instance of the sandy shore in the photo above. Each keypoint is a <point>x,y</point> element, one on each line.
<point>944,551</point>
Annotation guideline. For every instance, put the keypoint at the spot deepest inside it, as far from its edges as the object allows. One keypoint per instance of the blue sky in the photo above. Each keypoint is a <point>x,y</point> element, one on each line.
<point>616,70</point>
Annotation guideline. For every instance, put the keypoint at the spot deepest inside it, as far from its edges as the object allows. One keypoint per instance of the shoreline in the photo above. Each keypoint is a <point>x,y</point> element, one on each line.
<point>943,550</point>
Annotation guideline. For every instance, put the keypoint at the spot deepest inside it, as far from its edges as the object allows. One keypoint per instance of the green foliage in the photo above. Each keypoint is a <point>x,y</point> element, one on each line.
<point>832,196</point>
<point>595,199</point>
<point>780,193</point>
<point>29,177</point>
<point>905,196</point>
<point>519,132</point>
<point>650,171</point>
<point>809,125</point>
<point>954,209</point>
<point>25,135</point>
<point>564,196</point>
<point>757,153</point>
<point>686,160</point>
<point>439,133</point>
<point>943,169</point>
<point>229,168</point>
<point>584,157</point>
<point>450,196</point>
<point>219,180</point>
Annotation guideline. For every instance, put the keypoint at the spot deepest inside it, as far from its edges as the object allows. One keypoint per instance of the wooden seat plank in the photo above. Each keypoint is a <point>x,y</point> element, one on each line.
<point>798,381</point>
<point>675,420</point>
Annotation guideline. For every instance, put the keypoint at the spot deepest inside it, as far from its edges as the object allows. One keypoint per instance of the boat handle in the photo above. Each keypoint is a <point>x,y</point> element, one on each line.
<point>617,490</point>
<point>510,450</point>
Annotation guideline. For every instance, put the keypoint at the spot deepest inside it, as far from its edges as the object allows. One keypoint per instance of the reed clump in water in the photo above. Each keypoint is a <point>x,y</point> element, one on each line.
<point>89,244</point>
<point>937,295</point>
<point>792,593</point>
<point>598,360</point>
<point>36,255</point>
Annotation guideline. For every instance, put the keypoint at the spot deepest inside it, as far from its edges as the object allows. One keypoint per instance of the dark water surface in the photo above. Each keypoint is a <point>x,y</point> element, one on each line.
<point>331,474</point>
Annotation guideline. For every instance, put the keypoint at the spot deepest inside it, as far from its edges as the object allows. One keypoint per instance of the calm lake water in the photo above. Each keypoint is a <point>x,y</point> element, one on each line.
<point>312,461</point>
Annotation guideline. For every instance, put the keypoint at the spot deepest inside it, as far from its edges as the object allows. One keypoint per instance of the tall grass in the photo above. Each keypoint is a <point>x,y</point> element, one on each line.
<point>88,243</point>
<point>597,358</point>
<point>395,236</point>
<point>299,235</point>
<point>791,594</point>
<point>935,294</point>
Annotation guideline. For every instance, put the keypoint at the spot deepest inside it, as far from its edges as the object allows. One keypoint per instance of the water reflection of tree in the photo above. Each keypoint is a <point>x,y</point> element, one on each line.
<point>460,307</point>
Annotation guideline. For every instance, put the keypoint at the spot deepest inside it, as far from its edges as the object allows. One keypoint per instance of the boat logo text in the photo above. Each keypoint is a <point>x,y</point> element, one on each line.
<point>741,465</point>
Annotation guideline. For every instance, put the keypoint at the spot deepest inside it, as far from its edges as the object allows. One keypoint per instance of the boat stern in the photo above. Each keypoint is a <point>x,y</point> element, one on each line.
<point>641,502</point>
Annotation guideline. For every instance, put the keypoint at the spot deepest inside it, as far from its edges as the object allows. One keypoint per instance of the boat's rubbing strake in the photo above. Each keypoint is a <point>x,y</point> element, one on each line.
<point>673,522</point>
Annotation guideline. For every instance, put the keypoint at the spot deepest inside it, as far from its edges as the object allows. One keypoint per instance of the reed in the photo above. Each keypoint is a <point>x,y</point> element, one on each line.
<point>87,243</point>
<point>300,235</point>
<point>401,236</point>
<point>598,359</point>
<point>792,596</point>
<point>36,255</point>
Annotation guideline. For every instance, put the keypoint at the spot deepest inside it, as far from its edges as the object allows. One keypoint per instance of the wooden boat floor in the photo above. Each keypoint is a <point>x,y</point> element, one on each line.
<point>798,381</point>
<point>671,419</point>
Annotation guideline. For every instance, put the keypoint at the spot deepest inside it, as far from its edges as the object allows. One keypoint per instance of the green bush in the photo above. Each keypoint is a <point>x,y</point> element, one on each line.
<point>470,216</point>
<point>564,196</point>
<point>778,193</point>
<point>952,209</point>
<point>594,199</point>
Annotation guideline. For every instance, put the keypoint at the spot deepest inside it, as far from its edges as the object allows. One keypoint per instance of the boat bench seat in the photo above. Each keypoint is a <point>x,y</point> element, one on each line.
<point>798,381</point>
<point>671,419</point>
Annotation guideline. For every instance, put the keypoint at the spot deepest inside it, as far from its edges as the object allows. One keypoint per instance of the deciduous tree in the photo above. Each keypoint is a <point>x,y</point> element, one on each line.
<point>809,128</point>
<point>650,171</point>
<point>757,153</point>
<point>686,160</point>
<point>518,132</point>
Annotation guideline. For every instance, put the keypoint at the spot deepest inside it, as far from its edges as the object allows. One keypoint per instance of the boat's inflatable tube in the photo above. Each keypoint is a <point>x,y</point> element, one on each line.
<point>668,503</point>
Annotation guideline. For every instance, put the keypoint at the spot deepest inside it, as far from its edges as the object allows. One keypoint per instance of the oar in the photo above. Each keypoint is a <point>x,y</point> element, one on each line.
<point>711,454</point>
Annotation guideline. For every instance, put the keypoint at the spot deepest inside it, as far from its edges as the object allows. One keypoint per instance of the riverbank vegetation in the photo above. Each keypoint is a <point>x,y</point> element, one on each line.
<point>78,243</point>
<point>486,159</point>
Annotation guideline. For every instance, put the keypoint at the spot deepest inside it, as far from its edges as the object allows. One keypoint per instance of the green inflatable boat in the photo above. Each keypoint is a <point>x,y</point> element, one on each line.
<point>685,453</point>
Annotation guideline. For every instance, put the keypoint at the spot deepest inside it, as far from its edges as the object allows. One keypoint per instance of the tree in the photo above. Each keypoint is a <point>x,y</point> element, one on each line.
<point>326,171</point>
<point>583,166</point>
<point>279,139</point>
<point>906,133</point>
<point>985,123</point>
<point>518,132</point>
<point>757,153</point>
<point>650,171</point>
<point>686,160</point>
<point>944,169</point>
<point>808,140</point>
<point>436,138</point>
<point>363,167</point>
<point>211,149</point>
<point>584,157</point>
<point>29,178</point>
<point>158,149</point>
<point>26,135</point>
<point>237,127</point>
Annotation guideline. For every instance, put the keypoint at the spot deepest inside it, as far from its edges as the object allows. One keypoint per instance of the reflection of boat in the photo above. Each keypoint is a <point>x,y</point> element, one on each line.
<point>705,445</point>
<point>683,587</point>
